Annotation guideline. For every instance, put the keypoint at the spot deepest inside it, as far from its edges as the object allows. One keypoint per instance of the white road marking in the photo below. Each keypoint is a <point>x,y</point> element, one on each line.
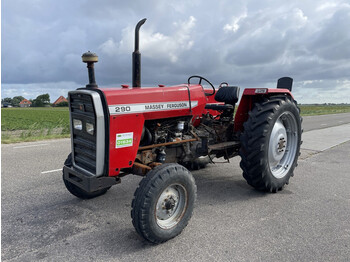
<point>51,171</point>
<point>16,147</point>
<point>324,124</point>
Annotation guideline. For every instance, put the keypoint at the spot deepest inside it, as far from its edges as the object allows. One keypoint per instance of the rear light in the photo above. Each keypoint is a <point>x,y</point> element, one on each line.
<point>77,124</point>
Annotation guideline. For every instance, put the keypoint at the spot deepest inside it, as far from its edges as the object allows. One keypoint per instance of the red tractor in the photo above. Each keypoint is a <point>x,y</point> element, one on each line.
<point>161,132</point>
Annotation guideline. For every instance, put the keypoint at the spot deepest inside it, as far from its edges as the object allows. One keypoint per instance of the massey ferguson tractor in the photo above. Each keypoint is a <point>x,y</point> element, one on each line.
<point>162,132</point>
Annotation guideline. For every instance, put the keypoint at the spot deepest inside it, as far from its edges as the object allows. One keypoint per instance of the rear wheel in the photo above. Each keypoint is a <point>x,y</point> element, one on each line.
<point>77,191</point>
<point>270,143</point>
<point>163,203</point>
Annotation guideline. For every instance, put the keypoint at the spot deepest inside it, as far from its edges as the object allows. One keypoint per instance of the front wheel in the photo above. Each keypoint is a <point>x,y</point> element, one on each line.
<point>163,203</point>
<point>270,143</point>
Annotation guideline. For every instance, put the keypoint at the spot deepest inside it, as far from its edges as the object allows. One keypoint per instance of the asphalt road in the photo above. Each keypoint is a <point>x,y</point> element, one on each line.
<point>307,221</point>
<point>325,121</point>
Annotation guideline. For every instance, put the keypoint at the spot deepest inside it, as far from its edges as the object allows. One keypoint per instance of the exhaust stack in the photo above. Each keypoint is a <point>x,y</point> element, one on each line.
<point>136,57</point>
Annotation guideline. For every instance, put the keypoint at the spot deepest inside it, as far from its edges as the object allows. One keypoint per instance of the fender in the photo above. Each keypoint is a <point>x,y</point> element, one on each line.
<point>248,99</point>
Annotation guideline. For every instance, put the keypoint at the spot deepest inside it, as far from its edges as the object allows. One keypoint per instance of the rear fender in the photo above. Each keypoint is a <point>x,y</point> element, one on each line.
<point>249,97</point>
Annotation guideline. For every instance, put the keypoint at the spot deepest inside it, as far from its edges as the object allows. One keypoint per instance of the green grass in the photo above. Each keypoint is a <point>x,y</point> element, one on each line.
<point>311,110</point>
<point>8,139</point>
<point>34,118</point>
<point>30,124</point>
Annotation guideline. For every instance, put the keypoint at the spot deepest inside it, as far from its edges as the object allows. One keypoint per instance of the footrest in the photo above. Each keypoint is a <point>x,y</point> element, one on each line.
<point>223,146</point>
<point>218,107</point>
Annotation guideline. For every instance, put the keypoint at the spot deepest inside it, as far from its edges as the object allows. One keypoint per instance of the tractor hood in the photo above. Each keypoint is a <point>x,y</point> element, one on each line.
<point>156,102</point>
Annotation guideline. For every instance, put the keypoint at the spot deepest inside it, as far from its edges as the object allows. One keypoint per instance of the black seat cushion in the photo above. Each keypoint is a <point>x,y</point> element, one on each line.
<point>227,94</point>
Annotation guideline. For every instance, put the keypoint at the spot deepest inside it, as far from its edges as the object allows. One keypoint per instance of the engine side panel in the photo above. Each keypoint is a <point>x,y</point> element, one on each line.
<point>125,135</point>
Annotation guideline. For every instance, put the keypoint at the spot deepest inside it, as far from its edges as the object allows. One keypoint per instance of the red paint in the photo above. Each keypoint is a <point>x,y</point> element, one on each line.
<point>133,122</point>
<point>246,104</point>
<point>124,157</point>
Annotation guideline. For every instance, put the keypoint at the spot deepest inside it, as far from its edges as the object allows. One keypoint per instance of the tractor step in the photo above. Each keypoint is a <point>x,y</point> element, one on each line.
<point>223,146</point>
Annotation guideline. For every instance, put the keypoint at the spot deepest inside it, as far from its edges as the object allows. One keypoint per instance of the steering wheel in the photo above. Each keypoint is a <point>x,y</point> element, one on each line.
<point>200,82</point>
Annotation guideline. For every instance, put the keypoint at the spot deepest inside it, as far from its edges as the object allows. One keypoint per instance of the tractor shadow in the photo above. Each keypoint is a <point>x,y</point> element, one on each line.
<point>219,184</point>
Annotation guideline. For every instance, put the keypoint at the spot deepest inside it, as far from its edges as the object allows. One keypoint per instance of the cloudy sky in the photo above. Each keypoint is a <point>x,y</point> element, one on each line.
<point>246,43</point>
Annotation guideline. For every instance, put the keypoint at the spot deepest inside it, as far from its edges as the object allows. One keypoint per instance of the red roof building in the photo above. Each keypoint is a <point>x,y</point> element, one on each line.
<point>25,103</point>
<point>60,100</point>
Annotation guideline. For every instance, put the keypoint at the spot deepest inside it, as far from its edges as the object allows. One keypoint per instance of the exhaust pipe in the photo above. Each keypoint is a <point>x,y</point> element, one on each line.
<point>136,57</point>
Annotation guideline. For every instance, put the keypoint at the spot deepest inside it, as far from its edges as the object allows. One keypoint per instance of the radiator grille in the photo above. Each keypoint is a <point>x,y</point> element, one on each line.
<point>84,144</point>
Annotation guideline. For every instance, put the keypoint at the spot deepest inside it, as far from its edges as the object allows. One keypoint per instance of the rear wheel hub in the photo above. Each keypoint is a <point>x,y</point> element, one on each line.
<point>282,145</point>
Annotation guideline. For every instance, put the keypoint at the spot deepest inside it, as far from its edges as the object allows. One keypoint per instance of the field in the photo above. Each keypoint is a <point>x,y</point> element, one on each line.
<point>311,110</point>
<point>29,124</point>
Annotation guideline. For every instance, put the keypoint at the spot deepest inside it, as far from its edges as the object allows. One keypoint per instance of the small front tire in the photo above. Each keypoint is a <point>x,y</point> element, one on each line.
<point>163,203</point>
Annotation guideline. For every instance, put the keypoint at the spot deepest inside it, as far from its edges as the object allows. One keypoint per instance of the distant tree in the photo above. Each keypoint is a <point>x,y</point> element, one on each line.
<point>42,100</point>
<point>7,100</point>
<point>16,100</point>
<point>62,104</point>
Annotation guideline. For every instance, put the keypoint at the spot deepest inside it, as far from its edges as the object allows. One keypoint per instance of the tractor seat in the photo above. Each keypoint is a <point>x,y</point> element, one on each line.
<point>227,94</point>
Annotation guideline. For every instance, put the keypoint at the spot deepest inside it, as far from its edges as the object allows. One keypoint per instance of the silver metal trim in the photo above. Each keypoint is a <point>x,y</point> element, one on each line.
<point>100,131</point>
<point>150,107</point>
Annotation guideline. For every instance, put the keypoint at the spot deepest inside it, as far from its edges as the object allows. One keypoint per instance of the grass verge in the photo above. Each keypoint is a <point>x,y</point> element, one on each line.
<point>9,140</point>
<point>32,124</point>
<point>312,110</point>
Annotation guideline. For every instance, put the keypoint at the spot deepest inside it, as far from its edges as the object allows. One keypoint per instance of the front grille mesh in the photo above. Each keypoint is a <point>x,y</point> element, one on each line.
<point>84,144</point>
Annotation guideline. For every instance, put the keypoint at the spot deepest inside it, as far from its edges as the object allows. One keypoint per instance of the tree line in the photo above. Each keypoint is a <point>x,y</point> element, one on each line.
<point>40,101</point>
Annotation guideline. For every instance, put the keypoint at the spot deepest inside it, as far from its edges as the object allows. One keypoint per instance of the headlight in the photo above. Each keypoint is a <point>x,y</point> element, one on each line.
<point>77,124</point>
<point>90,128</point>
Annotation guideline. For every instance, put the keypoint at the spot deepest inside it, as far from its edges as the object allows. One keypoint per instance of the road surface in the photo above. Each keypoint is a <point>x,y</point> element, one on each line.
<point>307,221</point>
<point>325,121</point>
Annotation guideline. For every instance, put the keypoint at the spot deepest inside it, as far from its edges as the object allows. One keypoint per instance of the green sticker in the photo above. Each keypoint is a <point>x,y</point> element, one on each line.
<point>124,140</point>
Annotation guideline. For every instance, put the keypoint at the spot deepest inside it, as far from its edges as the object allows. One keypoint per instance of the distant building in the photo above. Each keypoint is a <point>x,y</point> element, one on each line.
<point>60,100</point>
<point>25,103</point>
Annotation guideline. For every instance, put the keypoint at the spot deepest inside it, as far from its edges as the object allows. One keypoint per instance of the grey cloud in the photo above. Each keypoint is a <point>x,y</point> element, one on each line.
<point>333,40</point>
<point>248,43</point>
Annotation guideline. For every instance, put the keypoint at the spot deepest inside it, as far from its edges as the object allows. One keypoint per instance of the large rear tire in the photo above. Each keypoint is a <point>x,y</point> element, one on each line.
<point>77,191</point>
<point>163,203</point>
<point>270,143</point>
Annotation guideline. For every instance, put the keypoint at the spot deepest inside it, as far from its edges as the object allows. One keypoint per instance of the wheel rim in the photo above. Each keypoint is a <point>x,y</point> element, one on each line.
<point>171,206</point>
<point>283,145</point>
